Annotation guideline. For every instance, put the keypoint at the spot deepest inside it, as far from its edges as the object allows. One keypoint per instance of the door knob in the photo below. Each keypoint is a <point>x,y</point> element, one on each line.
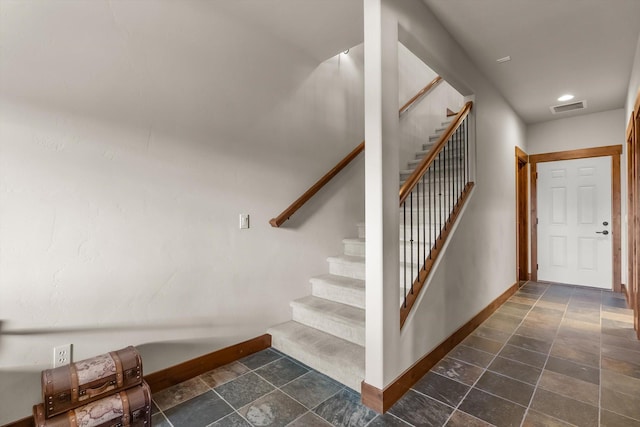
<point>605,232</point>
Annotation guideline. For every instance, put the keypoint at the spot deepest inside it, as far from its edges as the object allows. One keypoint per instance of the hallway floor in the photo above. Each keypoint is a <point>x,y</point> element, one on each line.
<point>552,355</point>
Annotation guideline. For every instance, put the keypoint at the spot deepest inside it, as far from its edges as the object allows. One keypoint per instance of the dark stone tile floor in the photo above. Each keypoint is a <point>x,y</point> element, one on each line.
<point>552,355</point>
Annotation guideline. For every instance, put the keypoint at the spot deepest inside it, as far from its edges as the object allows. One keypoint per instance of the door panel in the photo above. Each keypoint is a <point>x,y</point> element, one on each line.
<point>574,203</point>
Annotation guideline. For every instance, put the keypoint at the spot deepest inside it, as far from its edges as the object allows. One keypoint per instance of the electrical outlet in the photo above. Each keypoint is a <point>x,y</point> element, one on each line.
<point>61,355</point>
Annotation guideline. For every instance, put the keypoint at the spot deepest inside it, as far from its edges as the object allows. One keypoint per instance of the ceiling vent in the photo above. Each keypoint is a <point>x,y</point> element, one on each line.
<point>564,108</point>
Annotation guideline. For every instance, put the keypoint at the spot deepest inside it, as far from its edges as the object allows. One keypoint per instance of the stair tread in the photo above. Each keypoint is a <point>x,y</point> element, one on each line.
<point>343,281</point>
<point>337,358</point>
<point>346,313</point>
<point>346,259</point>
<point>353,240</point>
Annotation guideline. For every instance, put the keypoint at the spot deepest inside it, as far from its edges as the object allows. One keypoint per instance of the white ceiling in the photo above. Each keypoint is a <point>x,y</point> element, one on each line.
<point>582,47</point>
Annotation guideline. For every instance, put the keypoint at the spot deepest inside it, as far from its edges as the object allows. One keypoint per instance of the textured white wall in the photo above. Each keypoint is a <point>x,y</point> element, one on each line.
<point>132,134</point>
<point>428,113</point>
<point>634,84</point>
<point>587,131</point>
<point>480,262</point>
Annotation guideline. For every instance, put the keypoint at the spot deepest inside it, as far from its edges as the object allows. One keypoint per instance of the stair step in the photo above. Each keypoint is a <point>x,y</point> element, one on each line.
<point>339,289</point>
<point>412,164</point>
<point>361,230</point>
<point>337,358</point>
<point>341,320</point>
<point>354,246</point>
<point>348,266</point>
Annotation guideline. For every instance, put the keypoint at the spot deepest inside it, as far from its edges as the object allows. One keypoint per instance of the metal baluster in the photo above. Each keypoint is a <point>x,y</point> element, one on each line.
<point>466,158</point>
<point>440,173</point>
<point>431,192</point>
<point>424,221</point>
<point>404,239</point>
<point>411,243</point>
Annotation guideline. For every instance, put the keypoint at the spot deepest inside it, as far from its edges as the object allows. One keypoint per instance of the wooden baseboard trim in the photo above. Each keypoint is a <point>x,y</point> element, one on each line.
<point>623,289</point>
<point>382,400</point>
<point>192,368</point>
<point>25,422</point>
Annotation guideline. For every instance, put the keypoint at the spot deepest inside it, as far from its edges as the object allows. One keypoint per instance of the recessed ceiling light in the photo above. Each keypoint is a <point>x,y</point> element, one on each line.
<point>566,97</point>
<point>505,59</point>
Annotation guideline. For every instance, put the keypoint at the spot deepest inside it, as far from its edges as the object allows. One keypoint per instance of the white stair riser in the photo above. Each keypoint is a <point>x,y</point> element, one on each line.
<point>362,230</point>
<point>343,295</point>
<point>341,329</point>
<point>354,248</point>
<point>342,374</point>
<point>354,270</point>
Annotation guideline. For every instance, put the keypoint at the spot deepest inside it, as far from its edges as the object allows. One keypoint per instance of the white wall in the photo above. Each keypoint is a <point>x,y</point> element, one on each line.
<point>634,84</point>
<point>480,262</point>
<point>427,113</point>
<point>132,135</point>
<point>587,131</point>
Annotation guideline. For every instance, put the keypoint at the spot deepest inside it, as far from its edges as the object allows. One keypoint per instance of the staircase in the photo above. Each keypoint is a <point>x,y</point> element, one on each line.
<point>327,330</point>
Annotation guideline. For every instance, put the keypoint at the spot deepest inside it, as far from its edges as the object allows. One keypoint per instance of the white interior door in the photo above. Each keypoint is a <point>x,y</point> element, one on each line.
<point>574,222</point>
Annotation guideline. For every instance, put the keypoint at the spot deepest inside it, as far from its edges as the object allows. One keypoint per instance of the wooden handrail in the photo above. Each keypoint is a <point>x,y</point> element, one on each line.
<point>413,179</point>
<point>300,201</point>
<point>284,216</point>
<point>424,90</point>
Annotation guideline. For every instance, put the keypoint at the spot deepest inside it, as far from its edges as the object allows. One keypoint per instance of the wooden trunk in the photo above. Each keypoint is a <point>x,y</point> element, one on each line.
<point>70,386</point>
<point>131,407</point>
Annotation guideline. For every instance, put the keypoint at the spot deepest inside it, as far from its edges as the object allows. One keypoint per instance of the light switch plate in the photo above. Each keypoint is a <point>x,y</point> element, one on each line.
<point>244,221</point>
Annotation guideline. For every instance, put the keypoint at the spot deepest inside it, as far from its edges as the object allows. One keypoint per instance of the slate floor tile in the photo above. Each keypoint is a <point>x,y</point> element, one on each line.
<point>462,419</point>
<point>224,374</point>
<point>312,388</point>
<point>620,403</point>
<point>621,383</point>
<point>345,409</point>
<point>158,420</point>
<point>260,358</point>
<point>538,419</point>
<point>310,420</point>
<point>516,370</point>
<point>611,419</point>
<point>457,370</point>
<point>505,387</point>
<point>624,343</point>
<point>625,368</point>
<point>172,396</point>
<point>387,420</point>
<point>529,343</point>
<point>570,387</point>
<point>231,420</point>
<point>244,389</point>
<point>275,409</point>
<point>281,371</point>
<point>522,355</point>
<point>571,369</point>
<point>491,334</point>
<point>484,344</point>
<point>471,355</point>
<point>565,408</point>
<point>199,411</point>
<point>492,409</point>
<point>619,329</point>
<point>441,388</point>
<point>575,354</point>
<point>418,409</point>
<point>622,354</point>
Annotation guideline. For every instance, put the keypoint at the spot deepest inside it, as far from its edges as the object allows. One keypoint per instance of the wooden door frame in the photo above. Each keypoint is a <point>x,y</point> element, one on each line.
<point>632,287</point>
<point>522,216</point>
<point>614,151</point>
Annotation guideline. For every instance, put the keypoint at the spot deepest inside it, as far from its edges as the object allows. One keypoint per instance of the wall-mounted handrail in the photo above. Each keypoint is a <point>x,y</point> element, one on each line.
<point>418,95</point>
<point>304,198</point>
<point>413,179</point>
<point>284,216</point>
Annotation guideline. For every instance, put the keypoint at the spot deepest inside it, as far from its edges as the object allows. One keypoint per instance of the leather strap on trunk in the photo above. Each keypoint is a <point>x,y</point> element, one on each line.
<point>119,372</point>
<point>126,409</point>
<point>74,382</point>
